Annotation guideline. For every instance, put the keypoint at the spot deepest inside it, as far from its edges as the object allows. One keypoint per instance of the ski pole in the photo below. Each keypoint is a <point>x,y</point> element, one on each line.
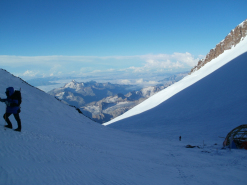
<point>5,117</point>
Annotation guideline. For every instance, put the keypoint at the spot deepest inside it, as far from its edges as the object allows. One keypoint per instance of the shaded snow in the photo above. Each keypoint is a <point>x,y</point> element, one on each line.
<point>204,111</point>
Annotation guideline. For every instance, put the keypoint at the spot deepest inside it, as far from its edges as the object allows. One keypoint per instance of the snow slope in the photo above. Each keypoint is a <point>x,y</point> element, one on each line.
<point>204,111</point>
<point>60,146</point>
<point>205,105</point>
<point>167,93</point>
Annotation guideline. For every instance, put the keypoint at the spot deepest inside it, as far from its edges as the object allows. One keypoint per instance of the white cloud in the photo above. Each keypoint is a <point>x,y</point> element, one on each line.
<point>125,81</point>
<point>170,61</point>
<point>156,64</point>
<point>152,82</point>
<point>110,70</point>
<point>83,65</point>
<point>29,73</point>
<point>96,71</point>
<point>139,81</point>
<point>161,62</point>
<point>136,69</point>
<point>57,61</point>
<point>55,67</point>
<point>186,58</point>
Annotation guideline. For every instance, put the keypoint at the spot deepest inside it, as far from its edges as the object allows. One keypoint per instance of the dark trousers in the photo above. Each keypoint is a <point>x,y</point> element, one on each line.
<point>17,118</point>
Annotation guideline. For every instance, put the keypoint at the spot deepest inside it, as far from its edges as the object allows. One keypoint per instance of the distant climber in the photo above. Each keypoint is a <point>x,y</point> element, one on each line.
<point>12,102</point>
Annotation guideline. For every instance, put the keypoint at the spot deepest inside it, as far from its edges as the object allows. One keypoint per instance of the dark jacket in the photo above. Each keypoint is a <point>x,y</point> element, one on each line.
<point>13,108</point>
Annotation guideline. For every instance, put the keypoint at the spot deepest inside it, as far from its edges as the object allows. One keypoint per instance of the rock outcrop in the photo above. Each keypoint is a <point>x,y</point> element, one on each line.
<point>231,40</point>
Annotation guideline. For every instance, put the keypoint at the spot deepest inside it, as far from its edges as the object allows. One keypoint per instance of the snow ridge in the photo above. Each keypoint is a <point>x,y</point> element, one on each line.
<point>165,94</point>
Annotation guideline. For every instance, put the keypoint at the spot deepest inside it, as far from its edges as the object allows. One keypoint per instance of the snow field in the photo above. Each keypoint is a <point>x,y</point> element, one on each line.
<point>59,146</point>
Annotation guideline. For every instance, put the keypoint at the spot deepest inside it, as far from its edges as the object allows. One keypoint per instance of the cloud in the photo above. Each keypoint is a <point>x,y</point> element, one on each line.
<point>29,73</point>
<point>136,69</point>
<point>87,65</point>
<point>96,71</point>
<point>170,61</point>
<point>161,62</point>
<point>139,81</point>
<point>152,82</point>
<point>156,64</point>
<point>55,67</point>
<point>110,70</point>
<point>186,58</point>
<point>125,81</point>
<point>58,60</point>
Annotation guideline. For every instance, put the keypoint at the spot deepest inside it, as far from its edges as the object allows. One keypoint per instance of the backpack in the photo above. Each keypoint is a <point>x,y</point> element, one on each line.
<point>17,96</point>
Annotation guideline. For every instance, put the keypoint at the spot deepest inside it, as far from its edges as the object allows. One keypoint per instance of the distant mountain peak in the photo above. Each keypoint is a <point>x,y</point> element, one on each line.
<point>231,40</point>
<point>70,84</point>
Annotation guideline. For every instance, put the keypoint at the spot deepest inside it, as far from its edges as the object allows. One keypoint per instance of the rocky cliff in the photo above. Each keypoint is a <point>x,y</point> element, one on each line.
<point>231,40</point>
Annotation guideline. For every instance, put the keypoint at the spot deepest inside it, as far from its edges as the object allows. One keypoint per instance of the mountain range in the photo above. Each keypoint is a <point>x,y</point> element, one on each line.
<point>79,93</point>
<point>104,101</point>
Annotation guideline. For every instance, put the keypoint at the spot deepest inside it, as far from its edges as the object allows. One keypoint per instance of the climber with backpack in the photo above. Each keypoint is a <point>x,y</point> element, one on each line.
<point>12,102</point>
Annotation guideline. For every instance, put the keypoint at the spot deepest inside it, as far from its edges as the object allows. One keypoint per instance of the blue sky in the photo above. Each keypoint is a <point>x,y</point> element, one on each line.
<point>68,37</point>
